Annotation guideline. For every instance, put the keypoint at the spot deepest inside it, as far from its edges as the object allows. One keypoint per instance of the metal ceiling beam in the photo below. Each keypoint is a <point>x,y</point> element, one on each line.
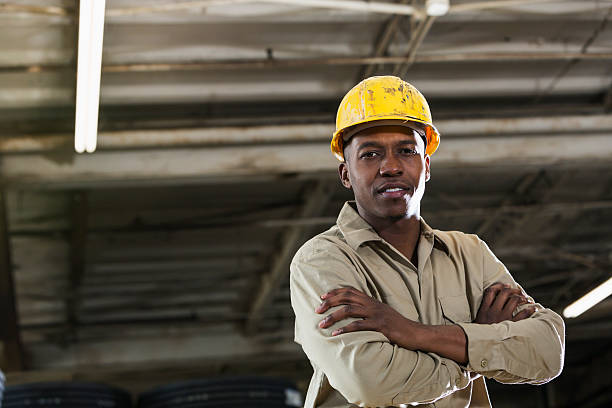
<point>417,37</point>
<point>540,193</point>
<point>525,184</point>
<point>215,65</point>
<point>11,350</point>
<point>318,132</point>
<point>608,100</point>
<point>315,201</point>
<point>484,5</point>
<point>571,63</point>
<point>31,9</point>
<point>199,163</point>
<point>348,5</point>
<point>383,42</point>
<point>539,252</point>
<point>170,348</point>
<point>351,5</point>
<point>79,214</point>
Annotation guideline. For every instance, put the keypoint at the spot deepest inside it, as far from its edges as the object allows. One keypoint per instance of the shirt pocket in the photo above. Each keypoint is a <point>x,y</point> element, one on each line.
<point>402,304</point>
<point>455,309</point>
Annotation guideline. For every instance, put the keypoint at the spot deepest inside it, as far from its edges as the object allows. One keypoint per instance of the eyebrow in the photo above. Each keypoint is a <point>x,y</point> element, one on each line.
<point>376,144</point>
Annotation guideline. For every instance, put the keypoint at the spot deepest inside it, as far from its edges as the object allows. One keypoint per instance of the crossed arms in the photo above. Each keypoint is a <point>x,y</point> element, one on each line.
<point>374,356</point>
<point>499,302</point>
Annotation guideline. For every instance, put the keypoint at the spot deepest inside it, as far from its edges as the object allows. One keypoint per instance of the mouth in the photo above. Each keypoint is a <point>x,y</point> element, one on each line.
<point>394,191</point>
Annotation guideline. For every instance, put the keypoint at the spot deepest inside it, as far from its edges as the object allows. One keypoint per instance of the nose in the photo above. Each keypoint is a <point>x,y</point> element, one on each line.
<point>390,166</point>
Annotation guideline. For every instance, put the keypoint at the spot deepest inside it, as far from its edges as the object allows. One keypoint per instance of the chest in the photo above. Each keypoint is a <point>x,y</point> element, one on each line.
<point>441,290</point>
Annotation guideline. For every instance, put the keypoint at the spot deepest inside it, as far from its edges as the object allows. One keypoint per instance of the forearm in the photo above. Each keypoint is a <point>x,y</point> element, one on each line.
<point>367,370</point>
<point>529,351</point>
<point>364,366</point>
<point>446,341</point>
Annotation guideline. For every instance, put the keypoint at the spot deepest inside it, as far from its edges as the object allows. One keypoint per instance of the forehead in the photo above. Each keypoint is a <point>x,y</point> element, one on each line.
<point>385,134</point>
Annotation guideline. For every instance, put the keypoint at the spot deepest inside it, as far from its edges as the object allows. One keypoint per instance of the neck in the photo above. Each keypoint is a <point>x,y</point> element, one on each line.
<point>402,233</point>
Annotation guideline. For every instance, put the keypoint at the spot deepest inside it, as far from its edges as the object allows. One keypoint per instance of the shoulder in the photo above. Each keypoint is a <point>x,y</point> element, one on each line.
<point>326,260</point>
<point>330,243</point>
<point>459,242</point>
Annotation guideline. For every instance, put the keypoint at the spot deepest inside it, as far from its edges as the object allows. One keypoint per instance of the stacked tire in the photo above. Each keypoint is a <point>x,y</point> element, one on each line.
<point>232,392</point>
<point>65,395</point>
<point>1,386</point>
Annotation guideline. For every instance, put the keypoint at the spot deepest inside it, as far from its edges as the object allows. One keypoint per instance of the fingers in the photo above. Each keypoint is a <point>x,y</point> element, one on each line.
<point>490,294</point>
<point>357,325</point>
<point>513,302</point>
<point>341,296</point>
<point>523,314</point>
<point>341,314</point>
<point>504,295</point>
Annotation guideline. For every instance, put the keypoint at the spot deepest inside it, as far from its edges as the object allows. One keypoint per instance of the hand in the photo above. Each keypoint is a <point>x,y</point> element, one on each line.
<point>376,316</point>
<point>499,302</point>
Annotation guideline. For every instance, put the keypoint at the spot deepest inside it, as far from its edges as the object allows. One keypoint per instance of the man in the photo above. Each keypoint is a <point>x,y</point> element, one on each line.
<point>391,312</point>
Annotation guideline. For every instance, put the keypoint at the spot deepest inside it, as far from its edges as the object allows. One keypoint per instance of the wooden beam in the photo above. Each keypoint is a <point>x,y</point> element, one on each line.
<point>315,201</point>
<point>12,350</point>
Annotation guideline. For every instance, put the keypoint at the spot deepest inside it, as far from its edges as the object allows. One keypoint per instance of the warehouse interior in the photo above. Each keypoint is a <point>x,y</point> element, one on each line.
<point>163,256</point>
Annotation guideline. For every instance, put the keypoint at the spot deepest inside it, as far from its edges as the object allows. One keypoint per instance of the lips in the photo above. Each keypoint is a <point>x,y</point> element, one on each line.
<point>393,190</point>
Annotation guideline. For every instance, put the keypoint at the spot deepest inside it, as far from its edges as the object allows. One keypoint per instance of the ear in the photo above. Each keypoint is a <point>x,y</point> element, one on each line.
<point>427,169</point>
<point>344,175</point>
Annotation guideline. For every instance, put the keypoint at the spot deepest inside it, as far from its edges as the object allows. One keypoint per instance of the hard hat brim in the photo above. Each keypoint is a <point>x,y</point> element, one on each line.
<point>430,132</point>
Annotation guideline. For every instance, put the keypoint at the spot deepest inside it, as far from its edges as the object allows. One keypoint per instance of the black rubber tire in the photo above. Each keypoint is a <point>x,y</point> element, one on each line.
<point>243,392</point>
<point>65,395</point>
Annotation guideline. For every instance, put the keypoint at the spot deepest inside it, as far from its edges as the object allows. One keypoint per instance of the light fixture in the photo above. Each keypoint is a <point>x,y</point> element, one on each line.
<point>437,8</point>
<point>589,300</point>
<point>89,67</point>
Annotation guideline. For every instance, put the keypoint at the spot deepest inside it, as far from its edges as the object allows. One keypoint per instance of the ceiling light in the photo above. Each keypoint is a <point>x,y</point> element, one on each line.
<point>89,66</point>
<point>437,8</point>
<point>589,300</point>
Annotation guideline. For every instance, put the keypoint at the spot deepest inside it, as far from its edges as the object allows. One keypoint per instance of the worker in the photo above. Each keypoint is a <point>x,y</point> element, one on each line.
<point>392,312</point>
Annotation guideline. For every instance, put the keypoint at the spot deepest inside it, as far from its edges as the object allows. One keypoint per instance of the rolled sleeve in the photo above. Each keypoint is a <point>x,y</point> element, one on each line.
<point>527,351</point>
<point>363,366</point>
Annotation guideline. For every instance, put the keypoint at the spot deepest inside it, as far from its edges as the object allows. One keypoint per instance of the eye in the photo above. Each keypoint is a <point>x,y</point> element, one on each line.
<point>409,151</point>
<point>369,154</point>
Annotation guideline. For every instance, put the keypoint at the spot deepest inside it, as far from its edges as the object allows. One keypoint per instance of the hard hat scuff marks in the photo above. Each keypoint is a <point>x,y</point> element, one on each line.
<point>353,113</point>
<point>377,98</point>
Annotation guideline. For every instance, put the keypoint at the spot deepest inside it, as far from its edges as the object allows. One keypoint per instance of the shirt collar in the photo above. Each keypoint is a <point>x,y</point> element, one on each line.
<point>357,231</point>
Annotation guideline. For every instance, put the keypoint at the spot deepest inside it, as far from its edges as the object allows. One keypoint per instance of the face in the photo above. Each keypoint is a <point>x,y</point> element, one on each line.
<point>386,167</point>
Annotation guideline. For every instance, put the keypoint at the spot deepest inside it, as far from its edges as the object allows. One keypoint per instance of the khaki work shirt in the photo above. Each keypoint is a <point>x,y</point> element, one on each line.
<point>364,368</point>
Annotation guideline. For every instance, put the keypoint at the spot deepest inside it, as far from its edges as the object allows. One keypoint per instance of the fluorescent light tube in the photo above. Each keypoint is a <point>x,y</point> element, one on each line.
<point>589,300</point>
<point>437,8</point>
<point>89,67</point>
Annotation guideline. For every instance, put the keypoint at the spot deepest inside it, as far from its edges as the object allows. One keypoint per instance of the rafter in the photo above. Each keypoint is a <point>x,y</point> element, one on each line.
<point>524,185</point>
<point>315,201</point>
<point>417,37</point>
<point>11,352</point>
<point>384,39</point>
<point>79,212</point>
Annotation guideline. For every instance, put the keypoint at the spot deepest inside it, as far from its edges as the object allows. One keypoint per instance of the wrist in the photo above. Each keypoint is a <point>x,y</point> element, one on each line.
<point>417,335</point>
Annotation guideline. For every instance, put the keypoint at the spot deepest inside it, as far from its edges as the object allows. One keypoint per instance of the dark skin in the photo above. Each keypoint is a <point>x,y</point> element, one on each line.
<point>387,169</point>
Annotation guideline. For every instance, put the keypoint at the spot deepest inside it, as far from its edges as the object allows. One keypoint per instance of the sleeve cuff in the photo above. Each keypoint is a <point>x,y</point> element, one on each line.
<point>483,341</point>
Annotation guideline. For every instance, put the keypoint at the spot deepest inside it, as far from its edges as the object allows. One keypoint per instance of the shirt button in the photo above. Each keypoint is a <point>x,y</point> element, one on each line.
<point>484,363</point>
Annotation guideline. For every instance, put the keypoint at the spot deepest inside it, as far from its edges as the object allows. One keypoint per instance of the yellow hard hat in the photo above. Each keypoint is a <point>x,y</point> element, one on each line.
<point>383,98</point>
